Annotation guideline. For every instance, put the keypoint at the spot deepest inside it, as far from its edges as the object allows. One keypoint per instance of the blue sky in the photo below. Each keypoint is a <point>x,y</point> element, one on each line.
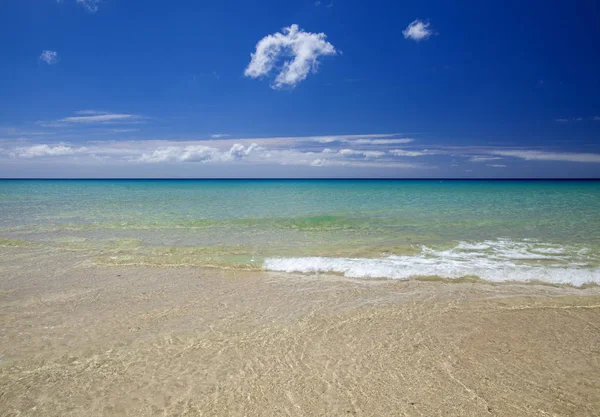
<point>105,88</point>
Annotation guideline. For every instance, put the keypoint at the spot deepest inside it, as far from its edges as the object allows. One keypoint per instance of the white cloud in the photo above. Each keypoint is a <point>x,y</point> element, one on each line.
<point>49,57</point>
<point>308,155</point>
<point>98,118</point>
<point>271,151</point>
<point>239,151</point>
<point>337,150</point>
<point>379,141</point>
<point>304,47</point>
<point>366,154</point>
<point>484,158</point>
<point>198,153</point>
<point>361,139</point>
<point>90,5</point>
<point>418,30</point>
<point>366,164</point>
<point>402,152</point>
<point>219,135</point>
<point>92,117</point>
<point>549,156</point>
<point>45,150</point>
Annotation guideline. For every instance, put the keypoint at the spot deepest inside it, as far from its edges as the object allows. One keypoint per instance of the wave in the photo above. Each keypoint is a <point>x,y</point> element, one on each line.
<point>501,260</point>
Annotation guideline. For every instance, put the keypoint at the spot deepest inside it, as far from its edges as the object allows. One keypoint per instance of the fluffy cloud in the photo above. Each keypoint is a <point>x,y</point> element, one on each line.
<point>197,153</point>
<point>45,150</point>
<point>239,151</point>
<point>340,150</point>
<point>49,57</point>
<point>304,48</point>
<point>299,151</point>
<point>418,30</point>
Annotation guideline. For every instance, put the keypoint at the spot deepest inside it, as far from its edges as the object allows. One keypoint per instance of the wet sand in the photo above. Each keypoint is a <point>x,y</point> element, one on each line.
<point>78,339</point>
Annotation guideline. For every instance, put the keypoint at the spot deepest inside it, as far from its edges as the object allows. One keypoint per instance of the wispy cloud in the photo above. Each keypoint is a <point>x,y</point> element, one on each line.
<point>219,135</point>
<point>596,118</point>
<point>483,158</point>
<point>296,151</point>
<point>379,141</point>
<point>402,152</point>
<point>90,5</point>
<point>375,139</point>
<point>91,117</point>
<point>549,156</point>
<point>197,153</point>
<point>99,118</point>
<point>572,119</point>
<point>340,152</point>
<point>305,49</point>
<point>124,130</point>
<point>417,30</point>
<point>362,153</point>
<point>44,150</point>
<point>49,57</point>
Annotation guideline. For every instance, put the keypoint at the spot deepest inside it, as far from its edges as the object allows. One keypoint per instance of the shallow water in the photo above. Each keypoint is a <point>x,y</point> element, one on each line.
<point>494,230</point>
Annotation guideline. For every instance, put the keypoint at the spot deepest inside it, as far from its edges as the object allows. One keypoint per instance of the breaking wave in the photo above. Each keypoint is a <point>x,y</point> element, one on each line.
<point>500,260</point>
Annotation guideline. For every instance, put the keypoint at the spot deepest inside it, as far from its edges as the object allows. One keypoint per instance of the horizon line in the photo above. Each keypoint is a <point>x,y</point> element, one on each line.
<point>301,179</point>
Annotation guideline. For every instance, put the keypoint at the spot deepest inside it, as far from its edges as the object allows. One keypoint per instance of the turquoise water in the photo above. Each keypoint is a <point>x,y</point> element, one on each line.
<point>496,230</point>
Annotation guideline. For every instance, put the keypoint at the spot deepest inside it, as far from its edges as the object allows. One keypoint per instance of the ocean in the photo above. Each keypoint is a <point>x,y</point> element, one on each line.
<point>493,230</point>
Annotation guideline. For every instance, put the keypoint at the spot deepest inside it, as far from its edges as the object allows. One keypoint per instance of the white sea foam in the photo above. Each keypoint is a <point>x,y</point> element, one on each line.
<point>497,261</point>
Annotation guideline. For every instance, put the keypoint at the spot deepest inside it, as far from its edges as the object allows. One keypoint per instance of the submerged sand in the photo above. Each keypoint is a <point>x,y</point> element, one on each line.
<point>78,339</point>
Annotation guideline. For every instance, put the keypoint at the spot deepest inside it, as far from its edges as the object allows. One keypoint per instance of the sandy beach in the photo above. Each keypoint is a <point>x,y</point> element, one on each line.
<point>80,339</point>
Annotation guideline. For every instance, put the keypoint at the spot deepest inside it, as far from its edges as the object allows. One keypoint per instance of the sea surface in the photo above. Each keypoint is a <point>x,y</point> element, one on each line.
<point>496,230</point>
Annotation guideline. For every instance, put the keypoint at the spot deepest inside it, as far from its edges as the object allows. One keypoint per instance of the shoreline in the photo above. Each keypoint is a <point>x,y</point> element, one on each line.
<point>80,339</point>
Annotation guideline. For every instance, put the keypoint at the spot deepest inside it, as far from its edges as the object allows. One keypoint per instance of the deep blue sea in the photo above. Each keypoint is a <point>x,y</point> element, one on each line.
<point>494,230</point>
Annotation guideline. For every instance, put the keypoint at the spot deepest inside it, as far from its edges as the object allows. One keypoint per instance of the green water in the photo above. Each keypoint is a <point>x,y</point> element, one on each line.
<point>241,223</point>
